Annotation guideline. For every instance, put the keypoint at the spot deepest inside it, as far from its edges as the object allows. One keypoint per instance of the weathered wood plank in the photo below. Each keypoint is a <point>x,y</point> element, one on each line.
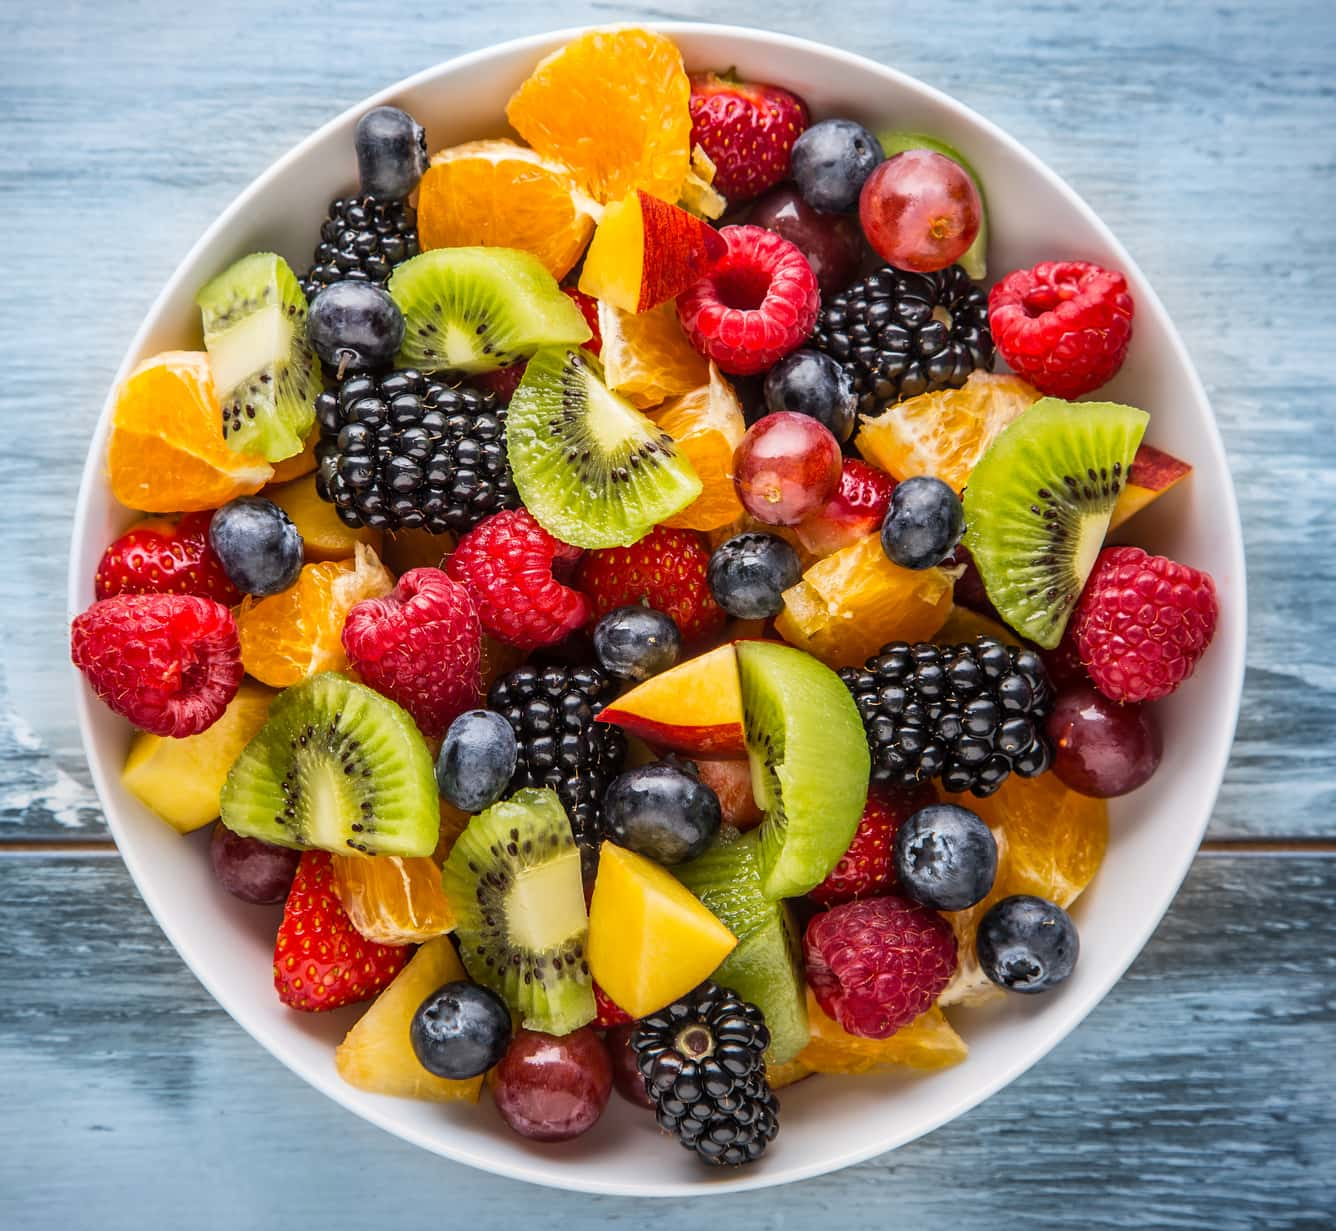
<point>1201,1094</point>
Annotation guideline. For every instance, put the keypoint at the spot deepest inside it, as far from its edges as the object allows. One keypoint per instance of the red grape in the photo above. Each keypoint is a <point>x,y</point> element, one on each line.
<point>550,1088</point>
<point>832,243</point>
<point>625,1072</point>
<point>1102,748</point>
<point>920,210</point>
<point>250,869</point>
<point>787,466</point>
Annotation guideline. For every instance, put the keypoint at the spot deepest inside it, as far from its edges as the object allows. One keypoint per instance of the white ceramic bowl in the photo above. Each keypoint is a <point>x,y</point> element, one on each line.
<point>828,1122</point>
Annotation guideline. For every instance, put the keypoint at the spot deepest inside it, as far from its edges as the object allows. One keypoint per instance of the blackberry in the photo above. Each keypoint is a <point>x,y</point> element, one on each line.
<point>703,1061</point>
<point>559,745</point>
<point>362,240</point>
<point>968,714</point>
<point>898,334</point>
<point>404,451</point>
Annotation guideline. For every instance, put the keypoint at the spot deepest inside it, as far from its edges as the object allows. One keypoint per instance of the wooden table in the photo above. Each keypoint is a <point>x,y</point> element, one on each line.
<point>1199,1095</point>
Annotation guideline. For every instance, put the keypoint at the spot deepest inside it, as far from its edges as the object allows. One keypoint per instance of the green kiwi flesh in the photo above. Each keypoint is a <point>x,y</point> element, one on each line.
<point>766,967</point>
<point>513,878</point>
<point>336,767</point>
<point>478,309</point>
<point>266,373</point>
<point>975,259</point>
<point>809,762</point>
<point>1038,504</point>
<point>588,465</point>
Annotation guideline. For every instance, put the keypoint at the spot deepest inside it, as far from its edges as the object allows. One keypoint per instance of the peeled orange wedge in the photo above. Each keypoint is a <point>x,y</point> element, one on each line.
<point>393,900</point>
<point>647,357</point>
<point>708,426</point>
<point>928,1042</point>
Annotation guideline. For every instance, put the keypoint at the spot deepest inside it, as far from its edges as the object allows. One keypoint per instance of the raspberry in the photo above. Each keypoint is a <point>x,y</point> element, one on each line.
<point>1063,325</point>
<point>159,558</point>
<point>1143,623</point>
<point>609,1013</point>
<point>421,646</point>
<point>866,868</point>
<point>665,570</point>
<point>757,304</point>
<point>170,663</point>
<point>875,965</point>
<point>505,563</point>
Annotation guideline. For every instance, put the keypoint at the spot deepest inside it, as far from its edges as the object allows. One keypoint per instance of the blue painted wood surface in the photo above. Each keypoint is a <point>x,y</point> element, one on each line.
<point>1201,1095</point>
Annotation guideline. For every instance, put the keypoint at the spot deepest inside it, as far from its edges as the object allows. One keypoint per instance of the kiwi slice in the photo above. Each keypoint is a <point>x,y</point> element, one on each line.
<point>337,767</point>
<point>513,878</point>
<point>1038,504</point>
<point>266,373</point>
<point>975,260</point>
<point>588,465</point>
<point>477,309</point>
<point>766,966</point>
<point>809,763</point>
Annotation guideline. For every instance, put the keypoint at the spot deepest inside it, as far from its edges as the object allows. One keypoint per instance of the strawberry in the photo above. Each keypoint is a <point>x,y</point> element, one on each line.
<point>320,960</point>
<point>747,129</point>
<point>156,557</point>
<point>588,306</point>
<point>857,508</point>
<point>866,868</point>
<point>610,1013</point>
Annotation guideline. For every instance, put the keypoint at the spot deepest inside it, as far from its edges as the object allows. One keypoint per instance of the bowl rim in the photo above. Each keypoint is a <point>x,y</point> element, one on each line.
<point>1213,760</point>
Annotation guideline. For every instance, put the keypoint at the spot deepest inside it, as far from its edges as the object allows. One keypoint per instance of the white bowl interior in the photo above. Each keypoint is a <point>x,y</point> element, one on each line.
<point>828,1122</point>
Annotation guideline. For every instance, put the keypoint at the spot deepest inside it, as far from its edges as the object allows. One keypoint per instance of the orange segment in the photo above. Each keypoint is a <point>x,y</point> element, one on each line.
<point>612,106</point>
<point>647,357</point>
<point>708,426</point>
<point>944,434</point>
<point>392,900</point>
<point>847,606</point>
<point>167,453</point>
<point>928,1042</point>
<point>324,535</point>
<point>1050,842</point>
<point>294,635</point>
<point>964,624</point>
<point>501,195</point>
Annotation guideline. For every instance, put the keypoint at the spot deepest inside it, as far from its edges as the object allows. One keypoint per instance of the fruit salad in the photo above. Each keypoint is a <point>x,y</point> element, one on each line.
<point>635,604</point>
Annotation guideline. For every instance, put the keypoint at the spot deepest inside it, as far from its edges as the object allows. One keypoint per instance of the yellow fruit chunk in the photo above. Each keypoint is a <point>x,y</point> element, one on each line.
<point>299,463</point>
<point>167,453</point>
<point>500,195</point>
<point>180,779</point>
<point>847,606</point>
<point>944,434</point>
<point>964,624</point>
<point>699,196</point>
<point>647,358</point>
<point>650,939</point>
<point>1152,473</point>
<point>928,1042</point>
<point>708,426</point>
<point>787,1074</point>
<point>377,1055</point>
<point>1050,842</point>
<point>613,106</point>
<point>324,536</point>
<point>298,633</point>
<point>393,900</point>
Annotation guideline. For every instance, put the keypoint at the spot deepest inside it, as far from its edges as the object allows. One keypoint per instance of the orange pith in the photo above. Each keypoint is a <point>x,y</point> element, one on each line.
<point>647,358</point>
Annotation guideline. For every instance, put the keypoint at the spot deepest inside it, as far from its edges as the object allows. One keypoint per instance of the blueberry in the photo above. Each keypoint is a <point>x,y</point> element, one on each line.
<point>923,524</point>
<point>749,573</point>
<point>1026,944</point>
<point>812,383</point>
<point>257,544</point>
<point>477,760</point>
<point>355,326</point>
<point>945,857</point>
<point>661,813</point>
<point>634,643</point>
<point>460,1030</point>
<point>391,153</point>
<point>831,160</point>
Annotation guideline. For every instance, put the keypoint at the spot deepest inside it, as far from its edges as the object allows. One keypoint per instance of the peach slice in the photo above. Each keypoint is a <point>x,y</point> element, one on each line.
<point>1153,473</point>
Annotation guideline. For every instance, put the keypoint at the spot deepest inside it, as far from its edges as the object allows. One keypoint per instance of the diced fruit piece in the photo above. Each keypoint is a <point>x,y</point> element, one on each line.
<point>847,606</point>
<point>696,707</point>
<point>161,557</point>
<point>497,194</point>
<point>605,475</point>
<point>920,210</point>
<point>747,128</point>
<point>731,782</point>
<point>661,812</point>
<point>631,84</point>
<point>781,1076</point>
<point>337,767</point>
<point>832,243</point>
<point>928,1042</point>
<point>648,358</point>
<point>391,153</point>
<point>294,635</point>
<point>1153,473</point>
<point>325,536</point>
<point>513,878</point>
<point>391,900</point>
<point>249,869</point>
<point>974,259</point>
<point>377,1055</point>
<point>699,196</point>
<point>707,425</point>
<point>946,432</point>
<point>786,468</point>
<point>180,779</point>
<point>810,763</point>
<point>766,966</point>
<point>1102,748</point>
<point>1037,508</point>
<point>478,309</point>
<point>856,510</point>
<point>550,1089</point>
<point>257,544</point>
<point>265,371</point>
<point>1026,944</point>
<point>167,453</point>
<point>650,939</point>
